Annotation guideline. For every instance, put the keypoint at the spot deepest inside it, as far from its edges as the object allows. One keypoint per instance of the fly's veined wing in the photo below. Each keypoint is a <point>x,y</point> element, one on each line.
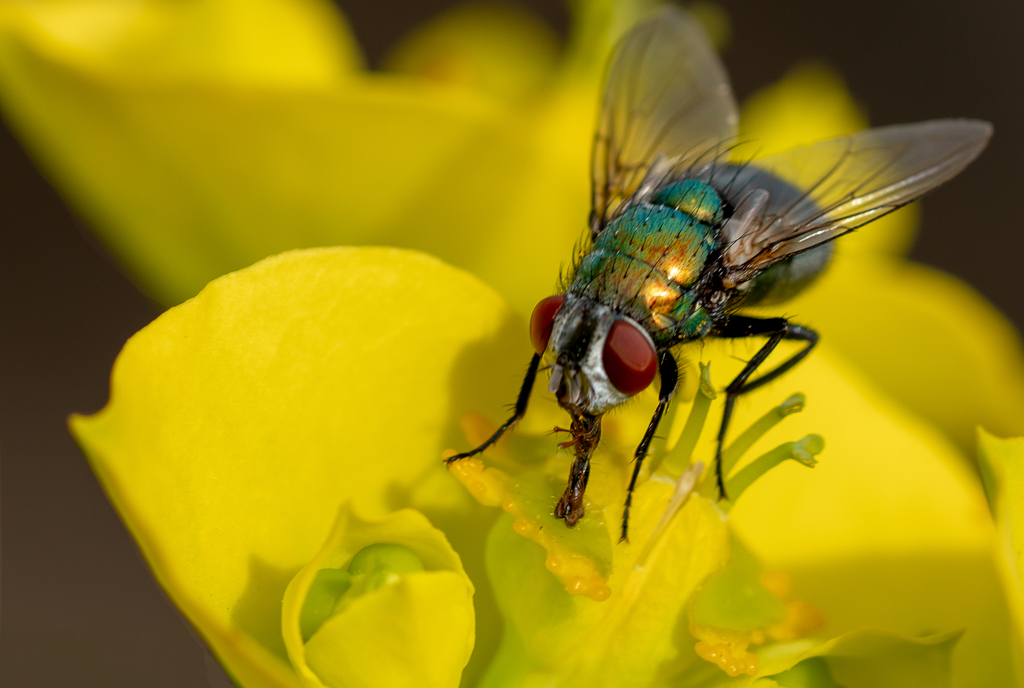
<point>794,201</point>
<point>667,100</point>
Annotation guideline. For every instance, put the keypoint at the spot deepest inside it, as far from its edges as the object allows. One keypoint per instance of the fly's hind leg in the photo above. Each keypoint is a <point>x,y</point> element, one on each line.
<point>776,329</point>
<point>521,402</point>
<point>668,370</point>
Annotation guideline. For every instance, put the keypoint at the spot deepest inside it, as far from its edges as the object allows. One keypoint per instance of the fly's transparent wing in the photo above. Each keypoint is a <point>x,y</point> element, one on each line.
<point>667,100</point>
<point>794,201</point>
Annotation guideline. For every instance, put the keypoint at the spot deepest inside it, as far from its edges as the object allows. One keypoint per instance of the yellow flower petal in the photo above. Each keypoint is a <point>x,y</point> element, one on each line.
<point>267,42</point>
<point>1002,466</point>
<point>810,104</point>
<point>245,173</point>
<point>241,420</point>
<point>888,522</point>
<point>503,51</point>
<point>414,631</point>
<point>925,338</point>
<point>186,181</point>
<point>869,658</point>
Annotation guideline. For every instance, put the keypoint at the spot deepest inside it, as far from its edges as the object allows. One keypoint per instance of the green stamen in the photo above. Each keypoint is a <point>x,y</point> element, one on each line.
<point>679,458</point>
<point>803,451</point>
<point>745,441</point>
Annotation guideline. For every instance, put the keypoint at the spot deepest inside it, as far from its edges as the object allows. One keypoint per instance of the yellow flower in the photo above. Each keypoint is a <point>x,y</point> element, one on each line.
<point>241,422</point>
<point>244,422</point>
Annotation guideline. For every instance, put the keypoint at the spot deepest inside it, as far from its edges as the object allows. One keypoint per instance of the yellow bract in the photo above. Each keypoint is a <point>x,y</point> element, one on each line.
<point>926,339</point>
<point>240,421</point>
<point>891,511</point>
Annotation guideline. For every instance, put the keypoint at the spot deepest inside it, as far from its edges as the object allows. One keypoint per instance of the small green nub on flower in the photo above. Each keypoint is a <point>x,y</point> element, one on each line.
<point>334,589</point>
<point>384,602</point>
<point>383,560</point>
<point>327,588</point>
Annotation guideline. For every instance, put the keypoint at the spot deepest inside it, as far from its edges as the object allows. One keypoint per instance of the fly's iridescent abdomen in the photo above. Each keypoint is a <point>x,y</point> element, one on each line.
<point>647,263</point>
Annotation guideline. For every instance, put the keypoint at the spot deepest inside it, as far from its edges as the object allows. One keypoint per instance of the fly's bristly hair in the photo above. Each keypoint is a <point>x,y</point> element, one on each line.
<point>580,249</point>
<point>739,168</point>
<point>697,167</point>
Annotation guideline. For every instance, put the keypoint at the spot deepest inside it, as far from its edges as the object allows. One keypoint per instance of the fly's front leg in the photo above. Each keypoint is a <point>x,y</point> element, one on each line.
<point>776,329</point>
<point>586,433</point>
<point>521,402</point>
<point>668,369</point>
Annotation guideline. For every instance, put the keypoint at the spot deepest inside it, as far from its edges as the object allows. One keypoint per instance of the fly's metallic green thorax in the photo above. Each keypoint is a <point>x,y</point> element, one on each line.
<point>647,262</point>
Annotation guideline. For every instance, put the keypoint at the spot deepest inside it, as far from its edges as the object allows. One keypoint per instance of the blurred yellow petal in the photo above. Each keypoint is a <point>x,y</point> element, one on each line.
<point>1002,464</point>
<point>496,49</point>
<point>245,171</point>
<point>887,524</point>
<point>868,658</point>
<point>241,420</point>
<point>414,629</point>
<point>927,339</point>
<point>264,42</point>
<point>810,104</point>
<point>186,180</point>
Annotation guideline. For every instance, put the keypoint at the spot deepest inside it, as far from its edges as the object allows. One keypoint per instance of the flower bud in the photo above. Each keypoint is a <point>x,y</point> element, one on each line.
<point>383,603</point>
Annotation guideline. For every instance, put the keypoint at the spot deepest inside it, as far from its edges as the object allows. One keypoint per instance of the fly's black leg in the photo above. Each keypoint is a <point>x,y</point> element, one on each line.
<point>776,329</point>
<point>521,403</point>
<point>668,369</point>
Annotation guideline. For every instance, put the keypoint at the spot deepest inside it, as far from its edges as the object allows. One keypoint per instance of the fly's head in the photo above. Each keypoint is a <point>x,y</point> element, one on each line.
<point>598,357</point>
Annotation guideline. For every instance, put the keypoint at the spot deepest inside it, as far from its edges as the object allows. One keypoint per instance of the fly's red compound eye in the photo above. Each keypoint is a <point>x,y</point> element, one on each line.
<point>542,320</point>
<point>629,359</point>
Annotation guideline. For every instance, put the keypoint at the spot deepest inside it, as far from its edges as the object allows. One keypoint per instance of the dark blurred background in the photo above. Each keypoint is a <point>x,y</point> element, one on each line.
<point>79,607</point>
